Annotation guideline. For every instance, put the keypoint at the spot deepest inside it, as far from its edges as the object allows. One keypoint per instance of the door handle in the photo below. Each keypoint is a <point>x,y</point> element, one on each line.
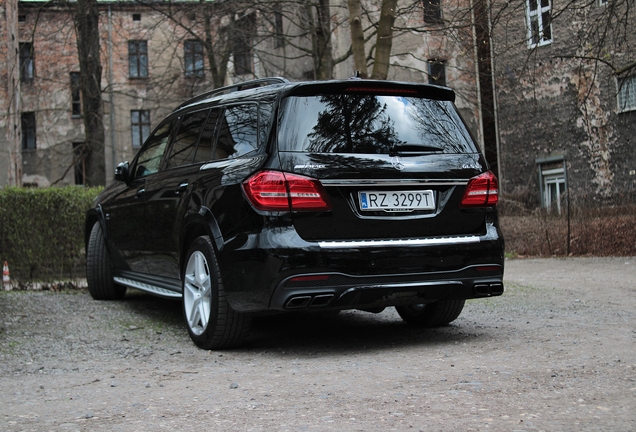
<point>140,192</point>
<point>182,187</point>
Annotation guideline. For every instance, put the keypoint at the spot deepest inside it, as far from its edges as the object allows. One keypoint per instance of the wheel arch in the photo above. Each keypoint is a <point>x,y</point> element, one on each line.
<point>201,224</point>
<point>93,216</point>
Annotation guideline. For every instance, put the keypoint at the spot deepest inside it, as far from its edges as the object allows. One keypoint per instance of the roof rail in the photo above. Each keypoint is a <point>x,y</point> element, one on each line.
<point>261,82</point>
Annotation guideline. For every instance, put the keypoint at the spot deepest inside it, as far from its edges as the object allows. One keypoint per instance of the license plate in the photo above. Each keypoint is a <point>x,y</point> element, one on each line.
<point>396,200</point>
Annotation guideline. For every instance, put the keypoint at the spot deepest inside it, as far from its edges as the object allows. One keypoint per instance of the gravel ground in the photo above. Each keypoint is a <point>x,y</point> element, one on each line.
<point>556,352</point>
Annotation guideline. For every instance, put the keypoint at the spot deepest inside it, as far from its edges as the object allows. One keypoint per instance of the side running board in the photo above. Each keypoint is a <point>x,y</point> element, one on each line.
<point>152,289</point>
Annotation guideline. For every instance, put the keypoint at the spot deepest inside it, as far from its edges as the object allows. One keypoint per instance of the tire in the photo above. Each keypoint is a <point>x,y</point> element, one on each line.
<point>99,268</point>
<point>437,314</point>
<point>210,320</point>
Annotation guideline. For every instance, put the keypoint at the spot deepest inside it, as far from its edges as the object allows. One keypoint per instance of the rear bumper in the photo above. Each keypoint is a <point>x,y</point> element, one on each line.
<point>340,291</point>
<point>280,271</point>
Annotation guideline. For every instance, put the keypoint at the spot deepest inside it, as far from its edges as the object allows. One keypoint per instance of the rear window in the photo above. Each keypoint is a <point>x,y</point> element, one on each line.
<point>371,124</point>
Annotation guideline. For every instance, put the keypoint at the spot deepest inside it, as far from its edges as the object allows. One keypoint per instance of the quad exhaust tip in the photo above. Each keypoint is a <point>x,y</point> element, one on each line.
<point>488,289</point>
<point>303,301</point>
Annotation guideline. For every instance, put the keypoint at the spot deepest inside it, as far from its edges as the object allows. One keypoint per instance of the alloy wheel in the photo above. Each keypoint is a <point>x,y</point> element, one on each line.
<point>197,293</point>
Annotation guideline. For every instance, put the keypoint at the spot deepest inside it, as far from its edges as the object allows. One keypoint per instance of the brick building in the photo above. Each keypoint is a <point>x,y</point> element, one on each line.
<point>152,59</point>
<point>545,115</point>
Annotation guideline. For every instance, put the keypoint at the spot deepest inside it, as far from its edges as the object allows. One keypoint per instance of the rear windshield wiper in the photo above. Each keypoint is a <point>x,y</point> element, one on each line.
<point>406,149</point>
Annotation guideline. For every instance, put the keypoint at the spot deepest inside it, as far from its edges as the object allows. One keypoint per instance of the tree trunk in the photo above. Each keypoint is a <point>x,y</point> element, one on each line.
<point>322,52</point>
<point>484,64</point>
<point>87,28</point>
<point>384,40</point>
<point>357,38</point>
<point>218,44</point>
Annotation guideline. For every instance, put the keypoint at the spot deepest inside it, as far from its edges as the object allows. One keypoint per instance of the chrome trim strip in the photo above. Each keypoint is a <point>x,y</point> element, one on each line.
<point>402,285</point>
<point>393,182</point>
<point>146,287</point>
<point>399,243</point>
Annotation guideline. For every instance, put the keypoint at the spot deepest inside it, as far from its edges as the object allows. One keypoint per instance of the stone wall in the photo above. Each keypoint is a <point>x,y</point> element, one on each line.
<point>555,100</point>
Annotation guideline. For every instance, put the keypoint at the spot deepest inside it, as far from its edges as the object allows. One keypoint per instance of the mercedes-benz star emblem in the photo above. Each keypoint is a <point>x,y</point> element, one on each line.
<point>397,163</point>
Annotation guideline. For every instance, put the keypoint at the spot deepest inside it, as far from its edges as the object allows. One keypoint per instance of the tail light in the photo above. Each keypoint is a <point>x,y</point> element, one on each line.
<point>278,191</point>
<point>481,191</point>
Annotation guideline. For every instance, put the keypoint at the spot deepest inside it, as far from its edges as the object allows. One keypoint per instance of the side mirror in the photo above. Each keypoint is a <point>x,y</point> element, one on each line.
<point>121,172</point>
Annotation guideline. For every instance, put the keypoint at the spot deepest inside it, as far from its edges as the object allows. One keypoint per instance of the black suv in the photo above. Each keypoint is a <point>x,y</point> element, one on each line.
<point>323,196</point>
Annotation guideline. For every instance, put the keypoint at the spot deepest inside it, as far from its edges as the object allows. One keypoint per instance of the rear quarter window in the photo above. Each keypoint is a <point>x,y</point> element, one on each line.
<point>238,131</point>
<point>371,124</point>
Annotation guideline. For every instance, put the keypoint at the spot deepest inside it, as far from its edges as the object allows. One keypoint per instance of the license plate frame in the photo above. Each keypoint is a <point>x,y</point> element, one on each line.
<point>396,200</point>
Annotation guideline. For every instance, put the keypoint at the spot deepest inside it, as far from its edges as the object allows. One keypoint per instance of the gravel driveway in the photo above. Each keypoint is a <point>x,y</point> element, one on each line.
<point>557,352</point>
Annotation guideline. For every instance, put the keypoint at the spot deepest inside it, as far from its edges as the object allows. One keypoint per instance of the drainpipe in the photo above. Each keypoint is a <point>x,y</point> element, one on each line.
<point>12,122</point>
<point>480,122</point>
<point>111,93</point>
<point>495,102</point>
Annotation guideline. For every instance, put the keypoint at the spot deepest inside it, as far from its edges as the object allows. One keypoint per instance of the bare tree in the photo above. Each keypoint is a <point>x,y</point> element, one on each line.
<point>88,48</point>
<point>384,40</point>
<point>357,38</point>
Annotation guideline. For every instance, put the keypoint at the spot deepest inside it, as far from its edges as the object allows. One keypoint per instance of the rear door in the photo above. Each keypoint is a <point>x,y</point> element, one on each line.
<point>168,194</point>
<point>394,164</point>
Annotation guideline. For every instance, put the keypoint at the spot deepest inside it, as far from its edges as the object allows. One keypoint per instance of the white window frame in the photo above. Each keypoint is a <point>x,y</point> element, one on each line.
<point>626,93</point>
<point>537,14</point>
<point>553,173</point>
<point>553,177</point>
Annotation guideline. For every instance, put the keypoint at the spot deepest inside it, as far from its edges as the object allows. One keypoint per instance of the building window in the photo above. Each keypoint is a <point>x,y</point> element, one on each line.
<point>279,33</point>
<point>79,161</point>
<point>437,72</point>
<point>140,125</point>
<point>136,17</point>
<point>138,59</point>
<point>76,98</point>
<point>602,2</point>
<point>27,63</point>
<point>553,189</point>
<point>28,130</point>
<point>553,182</point>
<point>627,93</point>
<point>243,57</point>
<point>193,58</point>
<point>539,22</point>
<point>21,18</point>
<point>432,11</point>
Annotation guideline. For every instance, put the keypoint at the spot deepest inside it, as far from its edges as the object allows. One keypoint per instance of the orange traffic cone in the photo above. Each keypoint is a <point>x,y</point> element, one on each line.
<point>6,280</point>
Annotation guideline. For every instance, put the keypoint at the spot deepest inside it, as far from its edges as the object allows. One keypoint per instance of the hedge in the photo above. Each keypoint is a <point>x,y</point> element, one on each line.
<point>42,231</point>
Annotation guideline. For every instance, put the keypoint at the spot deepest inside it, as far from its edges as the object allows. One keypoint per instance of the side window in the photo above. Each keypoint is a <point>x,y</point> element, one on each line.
<point>207,139</point>
<point>238,133</point>
<point>149,157</point>
<point>185,141</point>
